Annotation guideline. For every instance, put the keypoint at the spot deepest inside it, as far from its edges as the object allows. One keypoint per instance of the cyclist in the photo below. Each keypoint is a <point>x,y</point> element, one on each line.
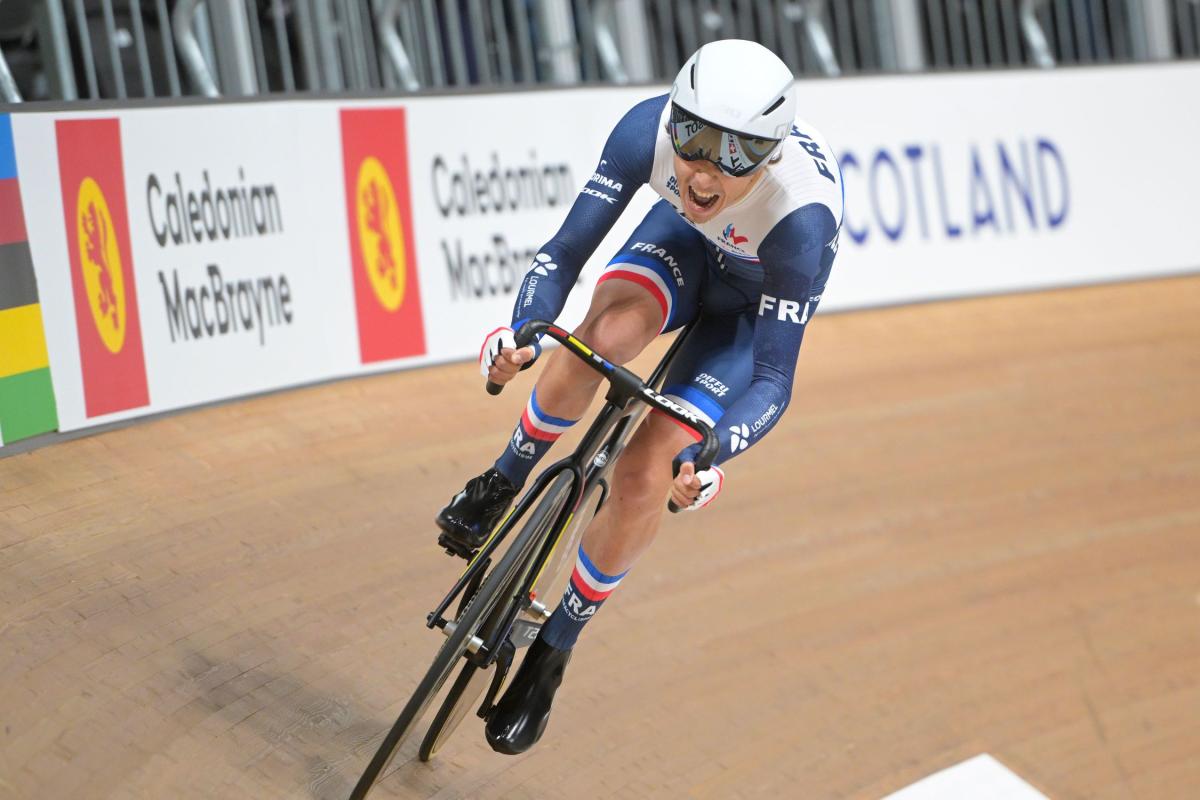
<point>744,237</point>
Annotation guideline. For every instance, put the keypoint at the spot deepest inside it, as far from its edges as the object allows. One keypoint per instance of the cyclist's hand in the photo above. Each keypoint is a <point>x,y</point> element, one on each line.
<point>500,360</point>
<point>692,490</point>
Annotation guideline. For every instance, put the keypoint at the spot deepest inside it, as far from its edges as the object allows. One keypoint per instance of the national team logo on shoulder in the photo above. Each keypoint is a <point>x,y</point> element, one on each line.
<point>730,236</point>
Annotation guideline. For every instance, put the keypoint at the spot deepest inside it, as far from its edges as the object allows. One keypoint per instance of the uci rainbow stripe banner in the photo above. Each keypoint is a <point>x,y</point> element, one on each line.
<point>27,405</point>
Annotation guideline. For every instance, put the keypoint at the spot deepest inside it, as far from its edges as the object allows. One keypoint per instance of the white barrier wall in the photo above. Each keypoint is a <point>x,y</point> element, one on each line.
<point>968,184</point>
<point>187,254</point>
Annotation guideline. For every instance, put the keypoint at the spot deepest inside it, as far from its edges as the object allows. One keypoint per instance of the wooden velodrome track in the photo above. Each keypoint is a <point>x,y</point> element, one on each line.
<point>978,529</point>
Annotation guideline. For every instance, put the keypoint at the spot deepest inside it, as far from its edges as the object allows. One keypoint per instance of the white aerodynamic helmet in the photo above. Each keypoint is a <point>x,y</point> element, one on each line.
<point>732,104</point>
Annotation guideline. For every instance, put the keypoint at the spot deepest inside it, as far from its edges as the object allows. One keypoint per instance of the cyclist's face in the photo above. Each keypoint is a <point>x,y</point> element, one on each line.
<point>705,190</point>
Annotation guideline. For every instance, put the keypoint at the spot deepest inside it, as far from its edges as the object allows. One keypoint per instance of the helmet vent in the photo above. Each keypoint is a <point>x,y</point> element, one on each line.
<point>774,106</point>
<point>694,78</point>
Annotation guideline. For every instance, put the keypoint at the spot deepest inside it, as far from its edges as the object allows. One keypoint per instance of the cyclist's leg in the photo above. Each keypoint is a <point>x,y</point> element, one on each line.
<point>628,521</point>
<point>647,288</point>
<point>712,370</point>
<point>709,373</point>
<point>626,526</point>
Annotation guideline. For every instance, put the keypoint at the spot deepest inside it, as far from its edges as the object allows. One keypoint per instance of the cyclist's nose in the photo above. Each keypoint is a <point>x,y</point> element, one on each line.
<point>706,176</point>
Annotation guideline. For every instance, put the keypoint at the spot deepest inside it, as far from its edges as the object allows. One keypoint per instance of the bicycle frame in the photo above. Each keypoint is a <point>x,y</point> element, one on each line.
<point>505,591</point>
<point>605,435</point>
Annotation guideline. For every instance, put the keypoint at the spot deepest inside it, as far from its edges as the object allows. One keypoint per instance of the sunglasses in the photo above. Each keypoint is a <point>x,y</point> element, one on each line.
<point>736,154</point>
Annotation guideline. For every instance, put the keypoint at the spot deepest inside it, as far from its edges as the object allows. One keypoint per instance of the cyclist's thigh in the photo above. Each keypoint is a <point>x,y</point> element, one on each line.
<point>710,371</point>
<point>664,260</point>
<point>714,366</point>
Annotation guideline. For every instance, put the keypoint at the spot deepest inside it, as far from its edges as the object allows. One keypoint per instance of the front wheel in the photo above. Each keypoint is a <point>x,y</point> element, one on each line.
<point>471,682</point>
<point>498,583</point>
<point>452,649</point>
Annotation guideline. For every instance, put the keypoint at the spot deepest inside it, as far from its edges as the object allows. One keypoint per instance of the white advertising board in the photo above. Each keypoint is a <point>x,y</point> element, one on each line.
<point>239,263</point>
<point>241,279</point>
<point>314,239</point>
<point>987,182</point>
<point>492,182</point>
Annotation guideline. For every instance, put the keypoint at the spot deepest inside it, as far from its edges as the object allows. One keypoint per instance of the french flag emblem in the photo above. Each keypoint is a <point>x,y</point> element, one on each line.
<point>730,233</point>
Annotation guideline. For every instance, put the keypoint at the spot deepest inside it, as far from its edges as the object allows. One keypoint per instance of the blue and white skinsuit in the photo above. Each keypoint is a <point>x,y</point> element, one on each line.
<point>754,273</point>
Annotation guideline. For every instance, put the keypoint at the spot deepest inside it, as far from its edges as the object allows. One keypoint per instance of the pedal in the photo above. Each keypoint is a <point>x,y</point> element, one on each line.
<point>455,548</point>
<point>504,660</point>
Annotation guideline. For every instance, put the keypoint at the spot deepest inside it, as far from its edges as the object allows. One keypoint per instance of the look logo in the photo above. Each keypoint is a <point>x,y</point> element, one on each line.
<point>381,234</point>
<point>100,262</point>
<point>383,247</point>
<point>96,217</point>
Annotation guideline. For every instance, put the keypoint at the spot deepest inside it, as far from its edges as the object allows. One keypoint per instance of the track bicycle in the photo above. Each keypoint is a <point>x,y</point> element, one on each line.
<point>498,611</point>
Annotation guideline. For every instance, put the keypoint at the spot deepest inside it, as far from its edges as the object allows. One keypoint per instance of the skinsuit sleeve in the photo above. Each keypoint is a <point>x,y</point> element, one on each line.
<point>624,166</point>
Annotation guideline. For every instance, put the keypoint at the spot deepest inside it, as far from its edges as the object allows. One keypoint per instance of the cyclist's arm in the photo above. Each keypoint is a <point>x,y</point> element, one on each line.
<point>796,257</point>
<point>626,162</point>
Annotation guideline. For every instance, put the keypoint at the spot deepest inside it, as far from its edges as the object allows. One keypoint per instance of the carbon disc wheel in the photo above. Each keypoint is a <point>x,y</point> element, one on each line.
<point>462,697</point>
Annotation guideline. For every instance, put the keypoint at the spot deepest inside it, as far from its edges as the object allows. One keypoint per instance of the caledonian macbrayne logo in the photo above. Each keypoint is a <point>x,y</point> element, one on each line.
<point>100,261</point>
<point>387,296</point>
<point>96,216</point>
<point>381,233</point>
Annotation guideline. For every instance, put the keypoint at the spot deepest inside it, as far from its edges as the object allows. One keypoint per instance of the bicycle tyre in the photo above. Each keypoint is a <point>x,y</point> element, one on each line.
<point>472,618</point>
<point>451,711</point>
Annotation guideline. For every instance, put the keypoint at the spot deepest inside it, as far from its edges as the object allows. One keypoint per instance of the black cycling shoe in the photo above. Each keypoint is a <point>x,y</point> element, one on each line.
<point>473,512</point>
<point>519,719</point>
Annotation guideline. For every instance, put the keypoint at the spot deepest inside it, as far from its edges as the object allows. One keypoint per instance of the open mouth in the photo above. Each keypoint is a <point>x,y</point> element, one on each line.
<point>700,199</point>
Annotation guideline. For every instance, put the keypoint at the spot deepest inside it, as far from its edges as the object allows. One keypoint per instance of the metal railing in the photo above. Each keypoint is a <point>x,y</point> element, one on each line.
<point>71,49</point>
<point>1183,21</point>
<point>798,31</point>
<point>8,86</point>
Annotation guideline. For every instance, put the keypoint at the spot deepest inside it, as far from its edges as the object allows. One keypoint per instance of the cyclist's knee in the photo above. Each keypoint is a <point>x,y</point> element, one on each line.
<point>640,476</point>
<point>645,467</point>
<point>622,330</point>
